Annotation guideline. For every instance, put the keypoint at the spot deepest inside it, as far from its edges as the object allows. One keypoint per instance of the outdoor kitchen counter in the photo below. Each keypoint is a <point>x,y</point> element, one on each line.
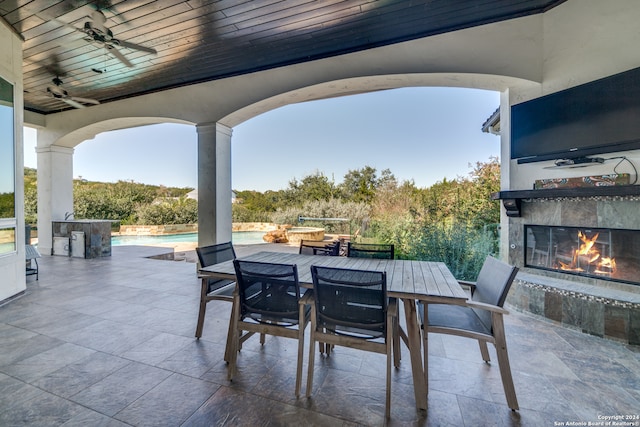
<point>83,238</point>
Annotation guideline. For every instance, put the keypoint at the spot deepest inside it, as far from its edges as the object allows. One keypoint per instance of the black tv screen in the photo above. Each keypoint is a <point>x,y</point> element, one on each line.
<point>599,117</point>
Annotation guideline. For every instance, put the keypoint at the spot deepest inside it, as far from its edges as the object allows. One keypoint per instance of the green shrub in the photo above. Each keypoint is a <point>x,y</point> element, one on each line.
<point>356,213</point>
<point>462,248</point>
<point>240,213</point>
<point>168,211</point>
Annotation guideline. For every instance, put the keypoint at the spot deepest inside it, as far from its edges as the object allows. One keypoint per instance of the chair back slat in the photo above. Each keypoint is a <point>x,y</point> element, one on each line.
<point>319,247</point>
<point>351,302</point>
<point>492,286</point>
<point>370,250</point>
<point>215,254</point>
<point>269,293</point>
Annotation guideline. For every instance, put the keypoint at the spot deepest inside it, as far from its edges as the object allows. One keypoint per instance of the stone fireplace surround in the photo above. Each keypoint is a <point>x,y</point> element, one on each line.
<point>599,307</point>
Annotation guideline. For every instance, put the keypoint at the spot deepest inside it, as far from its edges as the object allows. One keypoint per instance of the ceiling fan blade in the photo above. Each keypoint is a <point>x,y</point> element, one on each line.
<point>107,5</point>
<point>85,100</point>
<point>119,55</point>
<point>136,47</point>
<point>64,24</point>
<point>53,66</point>
<point>73,103</point>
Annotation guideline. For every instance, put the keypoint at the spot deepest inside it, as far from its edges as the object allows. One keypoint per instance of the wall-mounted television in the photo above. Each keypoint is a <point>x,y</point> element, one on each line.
<point>599,117</point>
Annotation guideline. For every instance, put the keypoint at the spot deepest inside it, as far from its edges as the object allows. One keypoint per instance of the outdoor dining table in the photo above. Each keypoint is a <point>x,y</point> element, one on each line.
<point>409,281</point>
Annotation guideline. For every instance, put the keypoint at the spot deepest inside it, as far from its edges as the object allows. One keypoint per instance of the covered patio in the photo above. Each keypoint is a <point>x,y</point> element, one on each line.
<point>110,341</point>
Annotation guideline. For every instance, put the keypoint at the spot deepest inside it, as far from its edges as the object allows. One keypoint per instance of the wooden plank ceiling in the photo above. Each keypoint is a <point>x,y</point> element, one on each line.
<point>199,40</point>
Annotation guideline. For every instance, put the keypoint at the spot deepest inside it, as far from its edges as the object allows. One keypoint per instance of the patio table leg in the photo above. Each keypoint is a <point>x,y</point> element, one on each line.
<point>233,345</point>
<point>231,330</point>
<point>413,334</point>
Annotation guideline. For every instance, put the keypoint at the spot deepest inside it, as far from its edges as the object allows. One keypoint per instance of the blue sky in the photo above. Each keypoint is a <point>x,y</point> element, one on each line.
<point>424,134</point>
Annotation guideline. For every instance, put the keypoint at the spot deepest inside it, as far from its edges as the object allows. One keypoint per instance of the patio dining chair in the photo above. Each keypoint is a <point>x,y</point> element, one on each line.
<point>319,247</point>
<point>269,301</point>
<point>352,309</point>
<point>370,250</point>
<point>213,289</point>
<point>216,289</point>
<point>480,318</point>
<point>379,251</point>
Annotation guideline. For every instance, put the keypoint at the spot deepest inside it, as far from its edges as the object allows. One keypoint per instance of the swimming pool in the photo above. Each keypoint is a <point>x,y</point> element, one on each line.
<point>237,237</point>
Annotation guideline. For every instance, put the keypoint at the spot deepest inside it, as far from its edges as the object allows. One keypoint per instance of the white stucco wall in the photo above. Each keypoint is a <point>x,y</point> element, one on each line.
<point>12,266</point>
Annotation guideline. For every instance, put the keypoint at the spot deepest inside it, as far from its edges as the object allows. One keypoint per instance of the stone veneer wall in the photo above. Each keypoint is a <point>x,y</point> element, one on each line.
<point>254,226</point>
<point>598,307</point>
<point>298,234</point>
<point>160,230</point>
<point>97,235</point>
<point>156,230</point>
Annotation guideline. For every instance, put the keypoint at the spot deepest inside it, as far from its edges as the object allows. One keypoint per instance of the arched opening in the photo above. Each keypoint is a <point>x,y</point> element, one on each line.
<point>407,130</point>
<point>422,134</point>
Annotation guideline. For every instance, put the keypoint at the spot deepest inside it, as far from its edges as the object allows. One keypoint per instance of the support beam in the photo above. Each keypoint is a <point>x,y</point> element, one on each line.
<point>214,183</point>
<point>55,190</point>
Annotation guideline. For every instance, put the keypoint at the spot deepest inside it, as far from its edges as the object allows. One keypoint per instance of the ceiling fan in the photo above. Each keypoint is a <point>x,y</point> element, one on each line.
<point>58,92</point>
<point>95,31</point>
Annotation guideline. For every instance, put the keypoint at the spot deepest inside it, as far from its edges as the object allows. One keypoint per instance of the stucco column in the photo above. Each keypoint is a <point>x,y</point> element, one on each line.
<point>55,190</point>
<point>505,172</point>
<point>214,183</point>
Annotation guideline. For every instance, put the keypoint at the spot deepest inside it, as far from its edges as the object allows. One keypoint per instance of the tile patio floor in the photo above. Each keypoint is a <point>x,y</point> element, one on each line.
<point>109,342</point>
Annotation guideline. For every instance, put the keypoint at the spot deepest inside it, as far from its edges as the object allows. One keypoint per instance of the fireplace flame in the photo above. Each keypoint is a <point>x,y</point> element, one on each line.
<point>587,257</point>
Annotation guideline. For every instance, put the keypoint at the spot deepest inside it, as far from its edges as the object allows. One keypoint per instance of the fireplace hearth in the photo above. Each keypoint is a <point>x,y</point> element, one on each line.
<point>602,253</point>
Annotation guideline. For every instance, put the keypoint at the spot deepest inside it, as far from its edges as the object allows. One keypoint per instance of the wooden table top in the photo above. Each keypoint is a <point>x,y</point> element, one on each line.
<point>421,280</point>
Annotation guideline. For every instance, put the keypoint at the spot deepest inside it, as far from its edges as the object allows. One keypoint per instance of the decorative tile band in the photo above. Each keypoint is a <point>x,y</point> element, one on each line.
<point>578,199</point>
<point>579,295</point>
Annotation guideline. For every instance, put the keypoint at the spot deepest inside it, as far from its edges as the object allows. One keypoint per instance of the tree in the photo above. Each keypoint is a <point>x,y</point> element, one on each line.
<point>486,178</point>
<point>392,198</point>
<point>312,187</point>
<point>360,185</point>
<point>257,201</point>
<point>30,196</point>
<point>465,199</point>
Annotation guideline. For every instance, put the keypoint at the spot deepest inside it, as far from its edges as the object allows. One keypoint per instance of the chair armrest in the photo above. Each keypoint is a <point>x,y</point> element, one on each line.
<point>488,307</point>
<point>205,275</point>
<point>224,291</point>
<point>307,298</point>
<point>468,284</point>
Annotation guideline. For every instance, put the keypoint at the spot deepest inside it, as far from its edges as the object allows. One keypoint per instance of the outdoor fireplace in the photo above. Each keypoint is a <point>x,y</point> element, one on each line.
<point>563,285</point>
<point>602,253</point>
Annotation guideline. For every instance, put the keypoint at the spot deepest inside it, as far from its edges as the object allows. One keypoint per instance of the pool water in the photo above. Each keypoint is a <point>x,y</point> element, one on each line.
<point>237,238</point>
